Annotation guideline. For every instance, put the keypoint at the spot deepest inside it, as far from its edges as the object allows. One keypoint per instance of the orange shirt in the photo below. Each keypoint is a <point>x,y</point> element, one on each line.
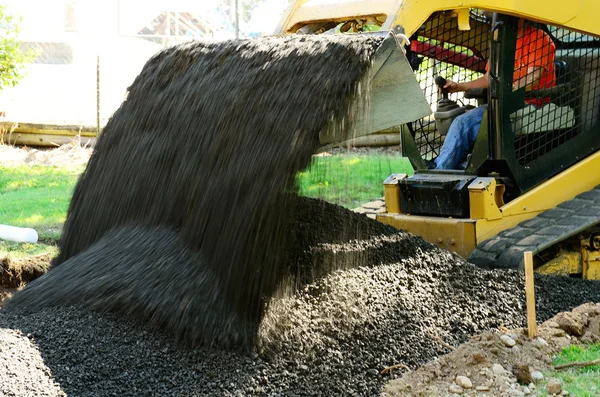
<point>535,49</point>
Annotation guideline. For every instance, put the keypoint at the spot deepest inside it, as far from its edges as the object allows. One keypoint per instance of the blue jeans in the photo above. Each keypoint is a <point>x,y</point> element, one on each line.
<point>460,139</point>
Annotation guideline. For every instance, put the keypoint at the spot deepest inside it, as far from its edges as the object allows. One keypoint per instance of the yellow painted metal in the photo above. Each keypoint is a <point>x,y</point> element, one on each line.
<point>483,198</point>
<point>303,12</point>
<point>463,17</point>
<point>457,235</point>
<point>288,16</point>
<point>577,179</point>
<point>490,216</point>
<point>579,15</point>
<point>592,268</point>
<point>391,193</point>
<point>569,262</point>
<point>413,13</point>
<point>565,263</point>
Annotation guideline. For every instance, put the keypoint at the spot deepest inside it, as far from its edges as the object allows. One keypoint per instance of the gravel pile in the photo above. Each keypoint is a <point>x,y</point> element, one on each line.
<point>332,337</point>
<point>203,154</point>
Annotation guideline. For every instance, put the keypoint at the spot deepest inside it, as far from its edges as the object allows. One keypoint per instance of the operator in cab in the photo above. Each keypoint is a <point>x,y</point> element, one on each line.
<point>534,69</point>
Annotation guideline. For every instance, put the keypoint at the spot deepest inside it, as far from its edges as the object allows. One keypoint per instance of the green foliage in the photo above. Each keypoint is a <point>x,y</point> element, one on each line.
<point>583,381</point>
<point>12,59</point>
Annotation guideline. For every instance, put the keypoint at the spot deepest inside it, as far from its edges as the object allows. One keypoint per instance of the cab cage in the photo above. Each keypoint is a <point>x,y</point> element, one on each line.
<point>519,144</point>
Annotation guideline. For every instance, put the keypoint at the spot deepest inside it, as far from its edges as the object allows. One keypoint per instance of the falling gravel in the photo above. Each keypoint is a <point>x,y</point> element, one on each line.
<point>332,337</point>
<point>180,217</point>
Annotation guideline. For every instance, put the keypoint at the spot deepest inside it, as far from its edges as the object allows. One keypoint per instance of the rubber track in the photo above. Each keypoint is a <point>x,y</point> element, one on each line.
<point>505,250</point>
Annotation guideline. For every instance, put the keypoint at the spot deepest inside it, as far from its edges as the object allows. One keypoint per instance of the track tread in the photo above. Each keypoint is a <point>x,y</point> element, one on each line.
<point>505,250</point>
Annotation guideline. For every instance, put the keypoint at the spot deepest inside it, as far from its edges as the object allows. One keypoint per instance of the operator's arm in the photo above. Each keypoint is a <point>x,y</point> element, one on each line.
<point>534,73</point>
<point>481,82</point>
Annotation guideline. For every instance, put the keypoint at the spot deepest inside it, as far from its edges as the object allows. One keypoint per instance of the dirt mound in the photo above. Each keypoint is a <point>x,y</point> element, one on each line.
<point>501,363</point>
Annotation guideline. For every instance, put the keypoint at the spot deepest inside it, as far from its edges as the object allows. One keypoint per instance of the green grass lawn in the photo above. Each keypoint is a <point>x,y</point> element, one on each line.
<point>350,180</point>
<point>36,197</point>
<point>39,196</point>
<point>584,382</point>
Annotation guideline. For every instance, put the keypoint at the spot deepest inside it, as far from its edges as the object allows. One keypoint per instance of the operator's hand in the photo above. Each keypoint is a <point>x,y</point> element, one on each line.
<point>452,86</point>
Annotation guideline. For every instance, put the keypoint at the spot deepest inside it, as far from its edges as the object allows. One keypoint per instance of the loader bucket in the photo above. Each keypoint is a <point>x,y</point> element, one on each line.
<point>393,96</point>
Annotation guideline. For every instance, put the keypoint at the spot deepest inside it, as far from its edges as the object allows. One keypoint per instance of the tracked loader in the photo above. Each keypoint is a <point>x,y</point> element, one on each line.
<point>531,180</point>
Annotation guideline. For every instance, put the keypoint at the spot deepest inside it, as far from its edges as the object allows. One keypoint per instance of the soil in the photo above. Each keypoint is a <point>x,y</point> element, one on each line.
<point>493,366</point>
<point>17,272</point>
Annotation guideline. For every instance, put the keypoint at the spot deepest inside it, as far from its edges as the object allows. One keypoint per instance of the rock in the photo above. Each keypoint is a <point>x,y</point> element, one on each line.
<point>556,332</point>
<point>552,324</point>
<point>373,372</point>
<point>479,358</point>
<point>589,309</point>
<point>482,388</point>
<point>531,386</point>
<point>553,386</point>
<point>540,342</point>
<point>507,340</point>
<point>464,382</point>
<point>526,391</point>
<point>564,393</point>
<point>498,369</point>
<point>594,325</point>
<point>456,389</point>
<point>589,338</point>
<point>522,373</point>
<point>571,323</point>
<point>537,376</point>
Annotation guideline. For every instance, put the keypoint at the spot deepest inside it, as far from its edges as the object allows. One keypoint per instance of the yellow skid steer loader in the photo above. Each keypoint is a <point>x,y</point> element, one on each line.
<point>531,180</point>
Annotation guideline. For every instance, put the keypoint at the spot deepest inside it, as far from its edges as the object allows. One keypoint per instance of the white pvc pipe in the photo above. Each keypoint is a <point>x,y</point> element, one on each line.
<point>18,234</point>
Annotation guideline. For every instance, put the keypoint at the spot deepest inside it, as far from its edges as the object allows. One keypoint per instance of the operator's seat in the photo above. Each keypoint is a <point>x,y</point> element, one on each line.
<point>538,131</point>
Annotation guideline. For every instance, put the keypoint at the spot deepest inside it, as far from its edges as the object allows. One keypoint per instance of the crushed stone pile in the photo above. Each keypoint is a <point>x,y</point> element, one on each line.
<point>334,336</point>
<point>180,217</point>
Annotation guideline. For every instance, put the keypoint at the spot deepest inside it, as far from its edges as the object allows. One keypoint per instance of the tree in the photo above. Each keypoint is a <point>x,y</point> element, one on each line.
<point>12,59</point>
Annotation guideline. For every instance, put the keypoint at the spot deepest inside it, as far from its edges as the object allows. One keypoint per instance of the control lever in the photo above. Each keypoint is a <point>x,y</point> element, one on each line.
<point>441,82</point>
<point>447,110</point>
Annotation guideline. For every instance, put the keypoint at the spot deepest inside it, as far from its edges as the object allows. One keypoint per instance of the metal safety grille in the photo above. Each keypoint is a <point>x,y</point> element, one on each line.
<point>457,55</point>
<point>559,72</point>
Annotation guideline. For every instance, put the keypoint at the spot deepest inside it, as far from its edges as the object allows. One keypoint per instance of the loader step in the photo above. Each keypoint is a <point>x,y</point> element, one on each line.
<point>505,250</point>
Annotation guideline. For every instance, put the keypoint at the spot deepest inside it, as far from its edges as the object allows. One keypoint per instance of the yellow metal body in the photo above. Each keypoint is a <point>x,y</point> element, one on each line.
<point>577,179</point>
<point>565,264</point>
<point>579,15</point>
<point>456,235</point>
<point>488,214</point>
